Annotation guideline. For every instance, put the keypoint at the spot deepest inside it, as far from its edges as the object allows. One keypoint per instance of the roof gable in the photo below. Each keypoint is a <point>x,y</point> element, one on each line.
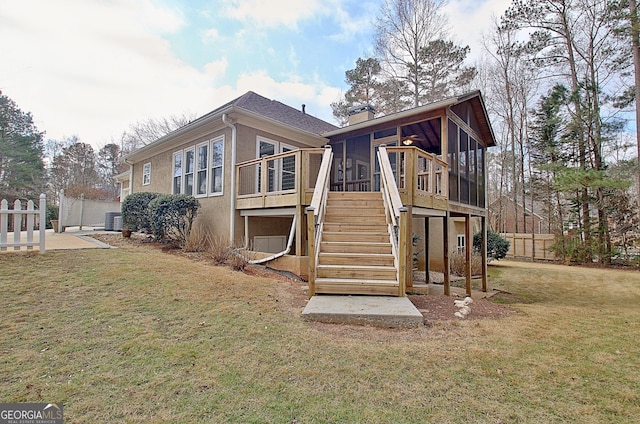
<point>282,113</point>
<point>277,111</point>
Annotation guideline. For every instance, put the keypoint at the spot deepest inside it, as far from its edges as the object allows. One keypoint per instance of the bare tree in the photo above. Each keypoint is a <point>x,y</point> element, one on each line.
<point>402,29</point>
<point>635,45</point>
<point>144,132</point>
<point>511,86</point>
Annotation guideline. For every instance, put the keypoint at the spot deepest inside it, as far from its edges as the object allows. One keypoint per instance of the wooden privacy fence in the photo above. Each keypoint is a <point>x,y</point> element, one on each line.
<point>22,218</point>
<point>530,246</point>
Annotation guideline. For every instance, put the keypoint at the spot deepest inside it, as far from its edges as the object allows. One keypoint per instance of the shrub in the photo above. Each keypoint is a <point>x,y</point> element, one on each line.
<point>237,261</point>
<point>497,247</point>
<point>135,211</point>
<point>51,214</point>
<point>199,240</point>
<point>172,217</point>
<point>457,264</point>
<point>219,249</point>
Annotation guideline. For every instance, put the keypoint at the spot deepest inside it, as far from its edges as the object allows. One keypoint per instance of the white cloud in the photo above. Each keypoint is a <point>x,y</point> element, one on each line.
<point>94,71</point>
<point>210,36</point>
<point>273,12</point>
<point>316,95</point>
<point>216,69</point>
<point>469,20</point>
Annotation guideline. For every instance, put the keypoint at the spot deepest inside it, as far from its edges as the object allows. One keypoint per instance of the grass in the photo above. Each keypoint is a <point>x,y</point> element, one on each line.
<point>135,335</point>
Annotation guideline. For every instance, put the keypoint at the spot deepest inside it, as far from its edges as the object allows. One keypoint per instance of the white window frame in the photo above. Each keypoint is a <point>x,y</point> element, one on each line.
<point>212,167</point>
<point>185,170</point>
<point>278,147</point>
<point>146,174</point>
<point>460,243</point>
<point>198,170</point>
<point>173,173</point>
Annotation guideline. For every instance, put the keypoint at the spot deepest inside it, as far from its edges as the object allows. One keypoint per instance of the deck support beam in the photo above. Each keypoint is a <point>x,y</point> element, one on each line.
<point>483,253</point>
<point>468,243</point>
<point>445,255</point>
<point>427,278</point>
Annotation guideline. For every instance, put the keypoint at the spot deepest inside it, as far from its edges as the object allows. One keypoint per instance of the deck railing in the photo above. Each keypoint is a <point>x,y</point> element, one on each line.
<point>422,178</point>
<point>396,215</point>
<point>284,179</point>
<point>315,215</point>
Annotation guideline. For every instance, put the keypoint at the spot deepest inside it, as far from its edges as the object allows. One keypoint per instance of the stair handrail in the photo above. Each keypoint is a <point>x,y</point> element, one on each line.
<point>316,213</point>
<point>396,214</point>
<point>388,187</point>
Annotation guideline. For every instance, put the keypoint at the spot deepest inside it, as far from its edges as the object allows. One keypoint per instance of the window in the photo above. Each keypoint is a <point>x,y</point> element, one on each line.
<point>201,170</point>
<point>461,244</point>
<point>195,167</point>
<point>281,172</point>
<point>177,173</point>
<point>146,173</point>
<point>217,162</point>
<point>188,171</point>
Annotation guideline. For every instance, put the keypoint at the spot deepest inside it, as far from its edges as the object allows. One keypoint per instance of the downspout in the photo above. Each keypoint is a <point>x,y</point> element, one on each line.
<point>232,209</point>
<point>292,233</point>
<point>130,178</point>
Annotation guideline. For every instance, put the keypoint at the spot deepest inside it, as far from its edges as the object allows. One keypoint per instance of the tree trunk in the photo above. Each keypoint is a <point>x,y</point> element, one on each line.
<point>635,43</point>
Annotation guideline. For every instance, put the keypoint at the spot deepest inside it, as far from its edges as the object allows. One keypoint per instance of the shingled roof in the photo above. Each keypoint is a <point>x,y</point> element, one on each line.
<point>279,112</point>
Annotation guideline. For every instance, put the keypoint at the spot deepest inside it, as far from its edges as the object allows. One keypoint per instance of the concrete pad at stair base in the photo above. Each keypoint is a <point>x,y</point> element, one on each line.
<point>381,311</point>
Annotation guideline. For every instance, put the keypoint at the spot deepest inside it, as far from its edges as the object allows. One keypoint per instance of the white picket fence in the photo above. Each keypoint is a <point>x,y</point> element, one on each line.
<point>31,214</point>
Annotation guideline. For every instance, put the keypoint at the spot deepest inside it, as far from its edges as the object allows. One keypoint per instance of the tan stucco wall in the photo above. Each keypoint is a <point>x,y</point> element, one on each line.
<point>214,210</point>
<point>213,215</point>
<point>436,257</point>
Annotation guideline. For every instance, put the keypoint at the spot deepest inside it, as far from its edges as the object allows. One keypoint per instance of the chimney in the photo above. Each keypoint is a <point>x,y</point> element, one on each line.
<point>303,107</point>
<point>361,113</point>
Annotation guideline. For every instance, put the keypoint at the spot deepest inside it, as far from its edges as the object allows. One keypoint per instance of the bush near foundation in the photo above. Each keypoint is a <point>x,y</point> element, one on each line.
<point>135,211</point>
<point>172,216</point>
<point>497,247</point>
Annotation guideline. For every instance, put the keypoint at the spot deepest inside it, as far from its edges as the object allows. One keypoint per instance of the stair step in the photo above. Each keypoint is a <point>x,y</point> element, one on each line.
<point>367,227</point>
<point>366,272</point>
<point>326,258</point>
<point>354,247</point>
<point>353,286</point>
<point>355,195</point>
<point>354,210</point>
<point>363,236</point>
<point>355,253</point>
<point>355,218</point>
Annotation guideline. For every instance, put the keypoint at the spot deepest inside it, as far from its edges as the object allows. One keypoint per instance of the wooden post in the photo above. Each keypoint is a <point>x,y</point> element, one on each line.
<point>404,240</point>
<point>427,278</point>
<point>410,174</point>
<point>483,253</point>
<point>467,252</point>
<point>409,235</point>
<point>299,221</point>
<point>445,254</point>
<point>311,248</point>
<point>533,246</point>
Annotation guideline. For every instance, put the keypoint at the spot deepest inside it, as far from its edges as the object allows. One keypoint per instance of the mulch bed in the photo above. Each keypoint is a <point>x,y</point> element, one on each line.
<point>439,307</point>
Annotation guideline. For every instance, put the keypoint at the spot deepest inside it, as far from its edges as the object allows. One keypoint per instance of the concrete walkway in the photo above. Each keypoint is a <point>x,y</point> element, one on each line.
<point>72,238</point>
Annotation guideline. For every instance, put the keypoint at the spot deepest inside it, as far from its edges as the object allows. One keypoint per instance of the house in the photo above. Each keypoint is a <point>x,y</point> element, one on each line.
<point>338,206</point>
<point>507,216</point>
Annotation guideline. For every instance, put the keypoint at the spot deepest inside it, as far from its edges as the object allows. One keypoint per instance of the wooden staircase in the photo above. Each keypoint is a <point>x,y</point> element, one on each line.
<point>355,251</point>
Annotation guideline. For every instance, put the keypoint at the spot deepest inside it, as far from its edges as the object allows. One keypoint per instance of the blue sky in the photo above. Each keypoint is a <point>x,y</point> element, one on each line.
<point>93,67</point>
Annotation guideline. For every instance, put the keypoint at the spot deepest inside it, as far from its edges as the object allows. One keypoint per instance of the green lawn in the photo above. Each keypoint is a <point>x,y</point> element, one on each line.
<point>136,335</point>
